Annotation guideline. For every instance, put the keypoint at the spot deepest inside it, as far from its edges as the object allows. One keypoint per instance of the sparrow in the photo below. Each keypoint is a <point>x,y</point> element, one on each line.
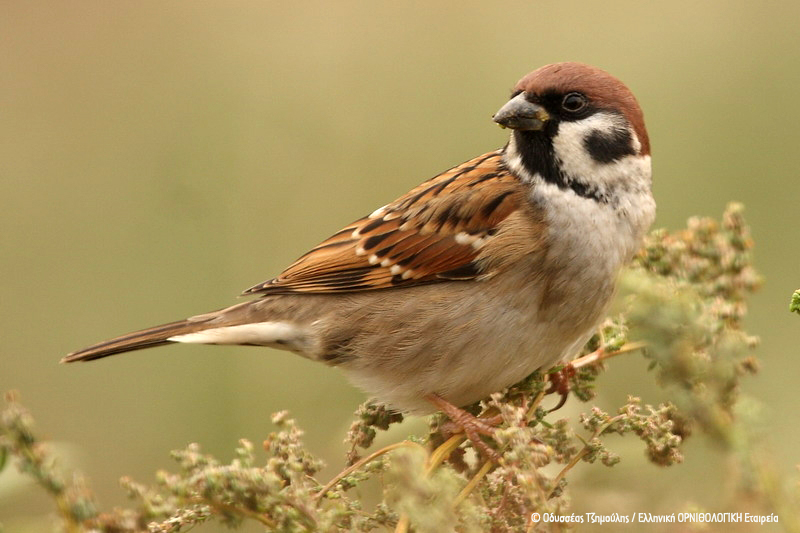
<point>476,278</point>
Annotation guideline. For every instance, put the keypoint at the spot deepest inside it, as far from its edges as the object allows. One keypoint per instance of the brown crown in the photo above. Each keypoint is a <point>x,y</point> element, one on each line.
<point>602,88</point>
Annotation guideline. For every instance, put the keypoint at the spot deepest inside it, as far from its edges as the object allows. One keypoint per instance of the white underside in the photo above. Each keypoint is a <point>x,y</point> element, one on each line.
<point>260,334</point>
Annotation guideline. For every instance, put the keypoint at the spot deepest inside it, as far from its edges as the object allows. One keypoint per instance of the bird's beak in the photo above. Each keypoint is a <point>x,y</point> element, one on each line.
<point>520,114</point>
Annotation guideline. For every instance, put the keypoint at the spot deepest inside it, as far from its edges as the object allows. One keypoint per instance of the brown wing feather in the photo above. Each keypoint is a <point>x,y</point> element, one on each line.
<point>434,232</point>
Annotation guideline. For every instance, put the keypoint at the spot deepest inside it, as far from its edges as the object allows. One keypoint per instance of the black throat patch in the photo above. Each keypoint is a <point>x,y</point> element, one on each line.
<point>538,157</point>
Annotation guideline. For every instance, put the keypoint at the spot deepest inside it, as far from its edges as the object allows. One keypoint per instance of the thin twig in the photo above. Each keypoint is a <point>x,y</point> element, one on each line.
<point>601,355</point>
<point>402,524</point>
<point>443,451</point>
<point>536,401</point>
<point>355,466</point>
<point>578,456</point>
<point>225,507</point>
<point>469,487</point>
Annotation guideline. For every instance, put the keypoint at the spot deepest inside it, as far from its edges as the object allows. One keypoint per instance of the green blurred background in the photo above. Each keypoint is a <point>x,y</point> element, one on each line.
<point>156,158</point>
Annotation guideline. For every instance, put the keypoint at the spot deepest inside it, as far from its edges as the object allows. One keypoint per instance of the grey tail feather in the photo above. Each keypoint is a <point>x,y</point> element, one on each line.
<point>138,340</point>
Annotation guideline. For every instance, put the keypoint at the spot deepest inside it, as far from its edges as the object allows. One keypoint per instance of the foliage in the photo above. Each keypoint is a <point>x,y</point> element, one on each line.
<point>684,309</point>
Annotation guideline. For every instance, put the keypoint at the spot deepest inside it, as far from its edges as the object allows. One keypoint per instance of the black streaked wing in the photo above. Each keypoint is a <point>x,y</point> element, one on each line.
<point>434,232</point>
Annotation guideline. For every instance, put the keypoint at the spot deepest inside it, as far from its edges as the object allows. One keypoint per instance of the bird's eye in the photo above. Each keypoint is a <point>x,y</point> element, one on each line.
<point>574,102</point>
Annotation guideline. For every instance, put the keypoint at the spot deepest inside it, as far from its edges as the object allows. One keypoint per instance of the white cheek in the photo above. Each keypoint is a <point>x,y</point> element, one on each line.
<point>578,164</point>
<point>637,146</point>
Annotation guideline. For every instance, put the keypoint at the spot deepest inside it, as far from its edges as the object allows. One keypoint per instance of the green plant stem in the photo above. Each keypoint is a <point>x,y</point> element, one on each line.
<point>469,487</point>
<point>264,519</point>
<point>583,451</point>
<point>601,355</point>
<point>402,524</point>
<point>442,452</point>
<point>359,464</point>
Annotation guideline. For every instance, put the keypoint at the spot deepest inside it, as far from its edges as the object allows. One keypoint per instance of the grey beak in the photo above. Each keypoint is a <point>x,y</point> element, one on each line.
<point>520,114</point>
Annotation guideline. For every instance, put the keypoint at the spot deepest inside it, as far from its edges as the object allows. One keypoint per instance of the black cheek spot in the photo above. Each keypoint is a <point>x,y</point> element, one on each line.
<point>609,147</point>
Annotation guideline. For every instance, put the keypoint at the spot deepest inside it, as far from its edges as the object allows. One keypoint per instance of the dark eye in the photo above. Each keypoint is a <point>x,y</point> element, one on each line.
<point>573,102</point>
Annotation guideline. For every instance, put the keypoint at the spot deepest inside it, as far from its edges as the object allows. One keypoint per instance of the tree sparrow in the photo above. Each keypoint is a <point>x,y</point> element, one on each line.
<point>471,281</point>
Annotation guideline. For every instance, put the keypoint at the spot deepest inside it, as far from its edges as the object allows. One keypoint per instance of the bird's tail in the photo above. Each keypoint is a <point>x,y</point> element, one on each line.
<point>252,323</point>
<point>138,340</point>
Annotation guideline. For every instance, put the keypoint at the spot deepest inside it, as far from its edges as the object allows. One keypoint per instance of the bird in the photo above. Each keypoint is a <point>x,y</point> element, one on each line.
<point>500,266</point>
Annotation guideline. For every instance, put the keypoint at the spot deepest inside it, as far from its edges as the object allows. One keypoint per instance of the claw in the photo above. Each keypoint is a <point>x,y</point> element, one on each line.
<point>472,426</point>
<point>559,382</point>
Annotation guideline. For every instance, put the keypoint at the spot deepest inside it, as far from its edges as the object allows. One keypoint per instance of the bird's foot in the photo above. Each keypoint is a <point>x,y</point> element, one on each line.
<point>471,426</point>
<point>559,382</point>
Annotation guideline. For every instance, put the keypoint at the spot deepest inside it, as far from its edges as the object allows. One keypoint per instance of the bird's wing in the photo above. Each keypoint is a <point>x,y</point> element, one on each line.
<point>435,232</point>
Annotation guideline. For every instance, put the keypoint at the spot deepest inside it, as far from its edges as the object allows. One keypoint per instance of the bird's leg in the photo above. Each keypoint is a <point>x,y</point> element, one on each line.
<point>559,382</point>
<point>472,426</point>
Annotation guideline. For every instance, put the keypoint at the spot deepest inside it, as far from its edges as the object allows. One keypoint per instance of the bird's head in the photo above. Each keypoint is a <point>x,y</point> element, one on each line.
<point>574,123</point>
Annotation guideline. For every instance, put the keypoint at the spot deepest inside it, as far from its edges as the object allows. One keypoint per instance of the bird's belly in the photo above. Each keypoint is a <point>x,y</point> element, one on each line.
<point>461,344</point>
